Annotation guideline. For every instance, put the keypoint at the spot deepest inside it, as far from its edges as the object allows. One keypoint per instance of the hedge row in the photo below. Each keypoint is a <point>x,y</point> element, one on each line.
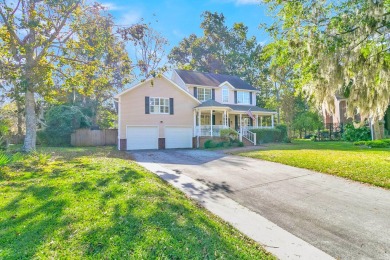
<point>375,144</point>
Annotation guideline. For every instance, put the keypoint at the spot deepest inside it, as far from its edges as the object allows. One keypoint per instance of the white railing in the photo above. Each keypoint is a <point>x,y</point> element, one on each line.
<point>257,127</point>
<point>249,135</point>
<point>205,130</point>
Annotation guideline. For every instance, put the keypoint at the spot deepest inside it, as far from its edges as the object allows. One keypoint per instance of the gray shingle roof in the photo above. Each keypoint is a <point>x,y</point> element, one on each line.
<point>246,108</point>
<point>211,79</point>
<point>213,103</point>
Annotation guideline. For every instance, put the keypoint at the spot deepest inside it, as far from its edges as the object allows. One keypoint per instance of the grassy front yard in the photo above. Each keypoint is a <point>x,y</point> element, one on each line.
<point>96,203</point>
<point>368,165</point>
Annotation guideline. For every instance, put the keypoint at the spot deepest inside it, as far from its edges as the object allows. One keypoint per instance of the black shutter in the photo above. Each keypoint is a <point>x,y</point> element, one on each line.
<point>250,98</point>
<point>250,121</point>
<point>236,122</point>
<point>235,97</point>
<point>171,106</point>
<point>147,105</point>
<point>213,94</point>
<point>213,123</point>
<point>196,92</point>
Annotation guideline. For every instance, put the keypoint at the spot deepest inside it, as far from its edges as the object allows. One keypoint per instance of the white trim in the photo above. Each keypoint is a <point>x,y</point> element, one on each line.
<point>226,83</point>
<point>213,108</point>
<point>228,94</point>
<point>143,125</point>
<point>184,84</point>
<point>159,113</point>
<point>119,123</point>
<point>163,76</point>
<point>201,86</point>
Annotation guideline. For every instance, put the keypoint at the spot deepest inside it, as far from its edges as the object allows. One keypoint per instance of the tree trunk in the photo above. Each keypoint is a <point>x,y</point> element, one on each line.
<point>31,123</point>
<point>20,119</point>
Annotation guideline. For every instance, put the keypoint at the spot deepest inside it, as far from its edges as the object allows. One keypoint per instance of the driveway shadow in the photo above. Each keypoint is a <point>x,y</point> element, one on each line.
<point>176,156</point>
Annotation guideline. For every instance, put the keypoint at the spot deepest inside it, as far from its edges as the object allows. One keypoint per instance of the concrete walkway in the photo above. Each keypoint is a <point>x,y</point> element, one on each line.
<point>345,219</point>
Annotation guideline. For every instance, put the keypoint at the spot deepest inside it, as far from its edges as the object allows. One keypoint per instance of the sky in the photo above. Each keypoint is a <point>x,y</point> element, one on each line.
<point>177,19</point>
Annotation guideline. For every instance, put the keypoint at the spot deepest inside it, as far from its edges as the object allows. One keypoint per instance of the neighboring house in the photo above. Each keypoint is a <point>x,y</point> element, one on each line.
<point>164,113</point>
<point>337,121</point>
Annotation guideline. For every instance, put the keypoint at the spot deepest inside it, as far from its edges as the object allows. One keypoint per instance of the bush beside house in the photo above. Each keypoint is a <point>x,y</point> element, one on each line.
<point>352,134</point>
<point>61,122</point>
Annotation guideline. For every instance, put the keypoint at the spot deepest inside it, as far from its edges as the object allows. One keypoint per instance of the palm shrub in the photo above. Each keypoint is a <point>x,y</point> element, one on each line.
<point>4,131</point>
<point>6,158</point>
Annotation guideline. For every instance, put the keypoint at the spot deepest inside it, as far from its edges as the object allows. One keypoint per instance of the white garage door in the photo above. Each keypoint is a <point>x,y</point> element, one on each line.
<point>142,137</point>
<point>178,137</point>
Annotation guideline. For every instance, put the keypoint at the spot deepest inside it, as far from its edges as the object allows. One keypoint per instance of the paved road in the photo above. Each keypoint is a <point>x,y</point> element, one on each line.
<point>345,219</point>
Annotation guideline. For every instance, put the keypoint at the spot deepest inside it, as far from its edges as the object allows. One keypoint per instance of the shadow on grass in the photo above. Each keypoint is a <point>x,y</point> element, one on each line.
<point>124,212</point>
<point>24,227</point>
<point>160,229</point>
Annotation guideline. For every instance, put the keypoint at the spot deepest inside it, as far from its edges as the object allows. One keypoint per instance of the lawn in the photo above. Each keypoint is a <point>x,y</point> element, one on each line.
<point>96,203</point>
<point>368,165</point>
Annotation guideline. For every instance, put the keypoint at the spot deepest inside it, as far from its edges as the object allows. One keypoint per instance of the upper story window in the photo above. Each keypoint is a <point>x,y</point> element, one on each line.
<point>159,105</point>
<point>225,94</point>
<point>204,94</point>
<point>243,97</point>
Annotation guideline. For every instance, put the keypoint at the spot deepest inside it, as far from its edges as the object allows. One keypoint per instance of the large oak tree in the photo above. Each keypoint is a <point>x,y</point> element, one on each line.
<point>338,48</point>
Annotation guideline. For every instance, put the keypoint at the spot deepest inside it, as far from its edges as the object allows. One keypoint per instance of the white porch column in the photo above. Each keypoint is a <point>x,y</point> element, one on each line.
<point>199,124</point>
<point>257,121</point>
<point>240,127</point>
<point>211,122</point>
<point>272,121</point>
<point>194,124</point>
<point>261,122</point>
<point>224,118</point>
<point>227,119</point>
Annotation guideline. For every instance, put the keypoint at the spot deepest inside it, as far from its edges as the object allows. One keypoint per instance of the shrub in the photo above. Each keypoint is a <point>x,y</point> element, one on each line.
<point>353,134</point>
<point>268,135</point>
<point>4,132</point>
<point>283,131</point>
<point>61,122</point>
<point>228,134</point>
<point>209,144</point>
<point>375,143</point>
<point>240,144</point>
<point>6,158</point>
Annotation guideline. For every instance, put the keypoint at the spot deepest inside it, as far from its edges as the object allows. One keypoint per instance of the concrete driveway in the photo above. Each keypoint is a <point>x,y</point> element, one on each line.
<point>345,219</point>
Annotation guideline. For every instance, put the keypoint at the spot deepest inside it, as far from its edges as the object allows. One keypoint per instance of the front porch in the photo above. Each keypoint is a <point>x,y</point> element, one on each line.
<point>209,122</point>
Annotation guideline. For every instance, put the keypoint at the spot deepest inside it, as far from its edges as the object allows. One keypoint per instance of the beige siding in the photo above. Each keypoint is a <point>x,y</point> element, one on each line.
<point>132,107</point>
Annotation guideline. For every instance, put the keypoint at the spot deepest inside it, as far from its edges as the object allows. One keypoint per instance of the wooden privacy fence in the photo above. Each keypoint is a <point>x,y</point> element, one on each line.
<point>88,137</point>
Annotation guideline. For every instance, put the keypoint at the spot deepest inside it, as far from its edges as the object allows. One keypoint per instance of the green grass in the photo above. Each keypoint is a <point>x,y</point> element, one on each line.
<point>368,165</point>
<point>96,203</point>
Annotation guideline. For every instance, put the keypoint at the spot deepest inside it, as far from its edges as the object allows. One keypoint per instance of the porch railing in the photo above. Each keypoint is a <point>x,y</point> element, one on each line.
<point>249,136</point>
<point>205,130</point>
<point>257,127</point>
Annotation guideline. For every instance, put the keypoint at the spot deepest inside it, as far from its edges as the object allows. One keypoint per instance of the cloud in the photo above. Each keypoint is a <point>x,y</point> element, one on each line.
<point>110,6</point>
<point>130,17</point>
<point>247,2</point>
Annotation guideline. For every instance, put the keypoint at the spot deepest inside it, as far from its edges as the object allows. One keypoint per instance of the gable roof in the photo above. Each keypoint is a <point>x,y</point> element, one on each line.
<point>150,79</point>
<point>212,80</point>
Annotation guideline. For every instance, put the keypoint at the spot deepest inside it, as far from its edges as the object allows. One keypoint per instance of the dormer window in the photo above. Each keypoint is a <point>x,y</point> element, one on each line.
<point>225,94</point>
<point>204,94</point>
<point>243,97</point>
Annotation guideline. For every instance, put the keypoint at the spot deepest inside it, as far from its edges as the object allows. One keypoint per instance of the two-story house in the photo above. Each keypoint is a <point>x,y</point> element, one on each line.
<point>164,113</point>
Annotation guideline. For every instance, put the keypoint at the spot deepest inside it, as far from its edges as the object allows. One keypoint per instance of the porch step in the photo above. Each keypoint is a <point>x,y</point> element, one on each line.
<point>247,142</point>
